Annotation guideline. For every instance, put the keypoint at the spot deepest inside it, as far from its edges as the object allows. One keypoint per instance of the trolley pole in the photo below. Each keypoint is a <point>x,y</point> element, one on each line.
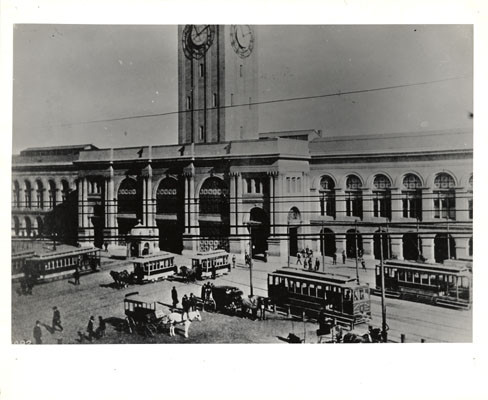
<point>384,332</point>
<point>356,247</point>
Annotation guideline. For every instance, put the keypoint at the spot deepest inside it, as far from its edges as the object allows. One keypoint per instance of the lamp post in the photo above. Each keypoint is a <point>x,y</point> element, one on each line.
<point>383,304</point>
<point>250,225</point>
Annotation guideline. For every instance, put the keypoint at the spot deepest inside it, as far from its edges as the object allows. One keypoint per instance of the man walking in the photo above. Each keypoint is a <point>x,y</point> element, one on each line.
<point>193,302</point>
<point>37,333</point>
<point>101,327</point>
<point>343,256</point>
<point>76,275</point>
<point>334,259</point>
<point>186,307</point>
<point>89,328</point>
<point>299,258</point>
<point>174,297</point>
<point>56,319</point>
<point>317,264</point>
<point>234,261</point>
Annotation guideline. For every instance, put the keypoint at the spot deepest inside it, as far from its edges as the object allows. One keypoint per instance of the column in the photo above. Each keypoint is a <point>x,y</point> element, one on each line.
<point>396,205</point>
<point>367,205</point>
<point>397,245</point>
<point>340,196</point>
<point>462,207</point>
<point>151,201</point>
<point>427,205</point>
<point>242,231</point>
<point>340,245</point>
<point>306,214</point>
<point>428,248</point>
<point>81,220</point>
<point>59,193</point>
<point>271,203</point>
<point>194,231</point>
<point>144,201</point>
<point>233,203</point>
<point>368,246</point>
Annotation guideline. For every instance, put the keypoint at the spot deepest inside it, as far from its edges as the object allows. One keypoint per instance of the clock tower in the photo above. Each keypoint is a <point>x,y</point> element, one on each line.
<point>217,83</point>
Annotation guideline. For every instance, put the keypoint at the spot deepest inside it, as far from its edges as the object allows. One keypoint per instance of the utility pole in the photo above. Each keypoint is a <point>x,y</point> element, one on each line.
<point>356,247</point>
<point>250,259</point>
<point>289,241</point>
<point>384,333</point>
<point>448,241</point>
<point>322,239</point>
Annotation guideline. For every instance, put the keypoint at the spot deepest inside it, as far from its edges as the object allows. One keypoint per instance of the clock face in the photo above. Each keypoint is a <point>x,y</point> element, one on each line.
<point>197,39</point>
<point>242,39</point>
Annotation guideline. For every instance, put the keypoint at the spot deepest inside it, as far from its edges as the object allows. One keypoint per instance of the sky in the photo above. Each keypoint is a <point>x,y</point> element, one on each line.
<point>67,76</point>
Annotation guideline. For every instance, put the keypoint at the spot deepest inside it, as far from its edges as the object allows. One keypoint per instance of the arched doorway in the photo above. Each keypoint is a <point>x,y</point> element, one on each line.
<point>294,221</point>
<point>440,247</point>
<point>214,215</point>
<point>327,242</point>
<point>16,226</point>
<point>412,246</point>
<point>259,230</point>
<point>40,226</point>
<point>170,215</point>
<point>28,227</point>
<point>377,237</point>
<point>129,205</point>
<point>351,235</point>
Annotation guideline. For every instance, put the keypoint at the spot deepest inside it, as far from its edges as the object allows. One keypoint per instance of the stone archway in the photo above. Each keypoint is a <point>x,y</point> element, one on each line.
<point>377,237</point>
<point>441,251</point>
<point>259,230</point>
<point>294,231</point>
<point>327,242</point>
<point>351,243</point>
<point>170,203</point>
<point>412,246</point>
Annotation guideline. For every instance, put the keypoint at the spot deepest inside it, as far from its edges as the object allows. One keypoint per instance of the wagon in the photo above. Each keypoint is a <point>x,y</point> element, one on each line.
<point>144,315</point>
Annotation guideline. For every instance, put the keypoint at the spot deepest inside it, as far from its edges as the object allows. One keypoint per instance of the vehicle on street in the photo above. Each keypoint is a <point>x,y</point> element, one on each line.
<point>447,285</point>
<point>144,315</point>
<point>154,267</point>
<point>338,296</point>
<point>211,263</point>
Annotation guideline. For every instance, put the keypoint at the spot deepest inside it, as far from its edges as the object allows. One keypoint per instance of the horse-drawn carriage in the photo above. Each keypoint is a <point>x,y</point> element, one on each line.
<point>231,300</point>
<point>144,315</point>
<point>147,316</point>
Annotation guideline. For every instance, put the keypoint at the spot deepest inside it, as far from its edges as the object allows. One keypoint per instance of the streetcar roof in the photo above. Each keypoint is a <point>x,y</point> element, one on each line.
<point>323,277</point>
<point>140,299</point>
<point>63,251</point>
<point>209,254</point>
<point>432,268</point>
<point>154,257</point>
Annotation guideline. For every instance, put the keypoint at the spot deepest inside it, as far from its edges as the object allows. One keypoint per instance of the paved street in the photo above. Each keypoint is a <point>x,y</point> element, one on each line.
<point>96,296</point>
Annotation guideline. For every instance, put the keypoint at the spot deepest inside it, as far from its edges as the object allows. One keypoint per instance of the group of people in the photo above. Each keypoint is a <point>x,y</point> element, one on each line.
<point>56,325</point>
<point>187,303</point>
<point>306,256</point>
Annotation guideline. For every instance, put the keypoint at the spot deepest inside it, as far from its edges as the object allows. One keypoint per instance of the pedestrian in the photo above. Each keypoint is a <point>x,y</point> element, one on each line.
<point>310,263</point>
<point>363,263</point>
<point>38,333</point>
<point>233,261</point>
<point>334,259</point>
<point>317,264</point>
<point>202,293</point>
<point>76,275</point>
<point>56,319</point>
<point>174,297</point>
<point>186,306</point>
<point>343,256</point>
<point>102,326</point>
<point>299,258</point>
<point>262,308</point>
<point>105,244</point>
<point>214,272</point>
<point>89,328</point>
<point>193,302</point>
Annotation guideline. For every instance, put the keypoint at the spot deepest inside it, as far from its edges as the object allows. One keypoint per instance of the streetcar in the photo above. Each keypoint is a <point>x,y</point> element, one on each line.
<point>154,267</point>
<point>18,263</point>
<point>448,285</point>
<point>62,263</point>
<point>310,292</point>
<point>214,262</point>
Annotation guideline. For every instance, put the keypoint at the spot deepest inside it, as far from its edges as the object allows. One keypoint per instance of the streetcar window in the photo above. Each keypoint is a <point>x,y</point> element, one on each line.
<point>347,294</point>
<point>401,275</point>
<point>392,272</point>
<point>356,294</point>
<point>313,291</point>
<point>297,287</point>
<point>416,277</point>
<point>292,286</point>
<point>424,279</point>
<point>409,276</point>
<point>433,280</point>
<point>361,294</point>
<point>320,292</point>
<point>464,282</point>
<point>304,289</point>
<point>377,270</point>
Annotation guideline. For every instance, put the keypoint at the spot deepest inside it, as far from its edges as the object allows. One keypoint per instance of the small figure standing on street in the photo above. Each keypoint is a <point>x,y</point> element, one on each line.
<point>214,272</point>
<point>343,256</point>
<point>89,328</point>
<point>299,258</point>
<point>310,263</point>
<point>334,259</point>
<point>102,326</point>
<point>233,261</point>
<point>174,297</point>
<point>317,264</point>
<point>186,306</point>
<point>56,319</point>
<point>363,263</point>
<point>193,302</point>
<point>76,275</point>
<point>105,244</point>
<point>38,333</point>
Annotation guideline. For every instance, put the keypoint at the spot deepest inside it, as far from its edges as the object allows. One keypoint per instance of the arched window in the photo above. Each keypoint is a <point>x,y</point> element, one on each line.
<point>65,190</point>
<point>214,197</point>
<point>412,197</point>
<point>354,197</point>
<point>128,198</point>
<point>382,196</point>
<point>327,196</point>
<point>16,193</point>
<point>444,196</point>
<point>167,196</point>
<point>28,194</point>
<point>39,194</point>
<point>52,194</point>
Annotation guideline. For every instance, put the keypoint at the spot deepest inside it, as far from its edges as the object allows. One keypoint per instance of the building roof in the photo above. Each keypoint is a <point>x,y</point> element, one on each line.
<point>393,143</point>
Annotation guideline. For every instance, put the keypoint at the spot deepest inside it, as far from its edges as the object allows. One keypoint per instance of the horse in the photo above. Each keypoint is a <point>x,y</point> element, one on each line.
<point>250,303</point>
<point>176,318</point>
<point>372,336</point>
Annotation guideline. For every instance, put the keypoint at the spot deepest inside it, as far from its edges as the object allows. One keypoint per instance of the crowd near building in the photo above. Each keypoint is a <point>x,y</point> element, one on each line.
<point>224,185</point>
